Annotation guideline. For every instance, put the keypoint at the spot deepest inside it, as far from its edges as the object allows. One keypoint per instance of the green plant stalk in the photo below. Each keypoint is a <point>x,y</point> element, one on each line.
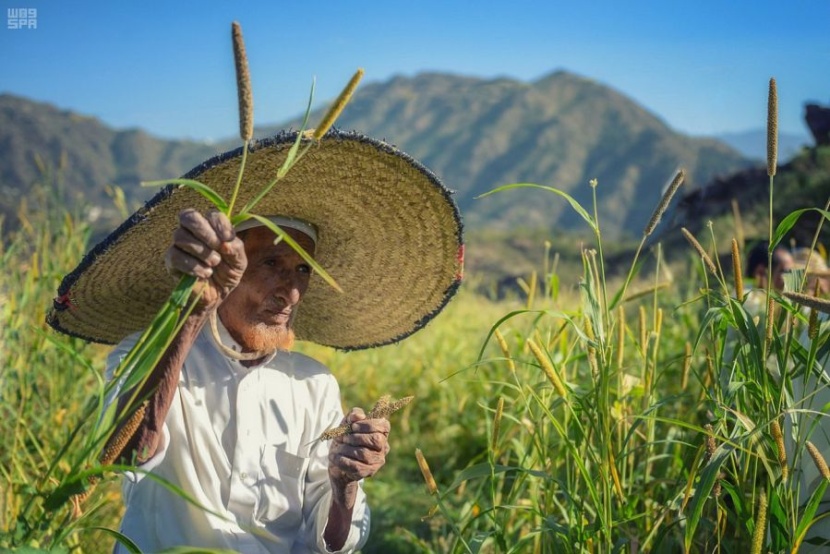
<point>767,346</point>
<point>578,456</point>
<point>602,410</point>
<point>649,392</point>
<point>236,187</point>
<point>620,398</point>
<point>813,244</point>
<point>650,422</point>
<point>605,309</point>
<point>493,513</point>
<point>147,355</point>
<point>546,272</point>
<point>453,525</point>
<point>292,158</point>
<point>721,278</point>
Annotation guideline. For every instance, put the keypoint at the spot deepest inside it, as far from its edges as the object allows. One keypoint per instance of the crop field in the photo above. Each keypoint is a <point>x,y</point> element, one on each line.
<point>655,413</point>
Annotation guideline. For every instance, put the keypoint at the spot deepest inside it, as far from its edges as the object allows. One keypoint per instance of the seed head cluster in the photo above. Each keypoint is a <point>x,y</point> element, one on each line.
<point>384,407</point>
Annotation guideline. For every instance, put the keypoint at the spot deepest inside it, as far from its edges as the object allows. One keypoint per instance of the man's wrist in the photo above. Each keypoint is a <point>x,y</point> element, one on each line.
<point>343,497</point>
<point>343,493</point>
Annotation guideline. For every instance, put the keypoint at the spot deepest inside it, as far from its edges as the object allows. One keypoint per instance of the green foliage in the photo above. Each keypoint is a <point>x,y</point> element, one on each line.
<point>627,425</point>
<point>652,445</point>
<point>47,385</point>
<point>802,183</point>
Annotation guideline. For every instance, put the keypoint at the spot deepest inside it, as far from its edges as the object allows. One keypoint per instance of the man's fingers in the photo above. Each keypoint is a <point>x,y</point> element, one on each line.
<point>355,414</point>
<point>201,227</point>
<point>221,225</point>
<point>357,464</point>
<point>360,454</point>
<point>211,240</point>
<point>372,441</point>
<point>233,252</point>
<point>186,242</point>
<point>351,468</point>
<point>380,425</point>
<point>178,261</point>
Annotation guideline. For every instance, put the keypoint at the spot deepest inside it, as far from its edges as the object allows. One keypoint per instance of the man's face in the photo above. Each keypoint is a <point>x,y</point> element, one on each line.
<point>259,312</point>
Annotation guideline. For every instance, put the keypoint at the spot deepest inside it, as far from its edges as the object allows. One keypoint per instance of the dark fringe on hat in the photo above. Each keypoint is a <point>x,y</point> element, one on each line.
<point>63,301</point>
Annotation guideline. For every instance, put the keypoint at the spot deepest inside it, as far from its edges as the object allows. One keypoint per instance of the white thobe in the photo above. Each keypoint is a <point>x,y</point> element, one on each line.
<point>241,443</point>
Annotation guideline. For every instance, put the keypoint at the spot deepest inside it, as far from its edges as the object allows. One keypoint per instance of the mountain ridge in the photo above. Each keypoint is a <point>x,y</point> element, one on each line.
<point>560,130</point>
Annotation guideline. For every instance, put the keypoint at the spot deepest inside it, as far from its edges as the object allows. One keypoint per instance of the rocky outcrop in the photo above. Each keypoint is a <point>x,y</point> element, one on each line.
<point>818,120</point>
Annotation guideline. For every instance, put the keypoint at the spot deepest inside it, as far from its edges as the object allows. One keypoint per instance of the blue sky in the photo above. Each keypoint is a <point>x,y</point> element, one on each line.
<point>167,67</point>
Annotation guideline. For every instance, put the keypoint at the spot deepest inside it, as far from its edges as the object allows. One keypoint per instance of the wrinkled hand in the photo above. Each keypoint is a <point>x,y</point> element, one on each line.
<point>361,453</point>
<point>207,247</point>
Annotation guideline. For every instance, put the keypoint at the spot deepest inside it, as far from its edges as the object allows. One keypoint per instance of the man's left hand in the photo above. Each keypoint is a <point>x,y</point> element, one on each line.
<point>360,453</point>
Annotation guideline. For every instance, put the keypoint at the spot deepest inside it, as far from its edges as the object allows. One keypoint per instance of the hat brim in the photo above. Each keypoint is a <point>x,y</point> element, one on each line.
<point>389,234</point>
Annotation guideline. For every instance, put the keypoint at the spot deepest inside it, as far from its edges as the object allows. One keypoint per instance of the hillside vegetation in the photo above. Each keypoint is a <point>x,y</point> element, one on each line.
<point>589,423</point>
<point>738,204</point>
<point>561,130</point>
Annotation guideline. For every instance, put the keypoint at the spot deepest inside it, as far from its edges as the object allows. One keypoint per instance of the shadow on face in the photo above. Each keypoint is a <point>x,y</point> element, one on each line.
<point>260,311</point>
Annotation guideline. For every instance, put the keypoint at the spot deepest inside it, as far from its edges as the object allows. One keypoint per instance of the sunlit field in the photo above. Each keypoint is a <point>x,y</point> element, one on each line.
<point>646,414</point>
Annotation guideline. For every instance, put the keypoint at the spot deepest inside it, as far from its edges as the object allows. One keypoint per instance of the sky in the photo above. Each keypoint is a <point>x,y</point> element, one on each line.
<point>167,67</point>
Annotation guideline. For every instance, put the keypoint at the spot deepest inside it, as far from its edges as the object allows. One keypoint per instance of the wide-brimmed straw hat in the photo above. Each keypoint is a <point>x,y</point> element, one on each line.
<point>389,233</point>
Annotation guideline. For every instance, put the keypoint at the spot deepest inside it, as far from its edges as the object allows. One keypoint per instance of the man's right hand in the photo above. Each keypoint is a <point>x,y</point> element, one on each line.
<point>207,247</point>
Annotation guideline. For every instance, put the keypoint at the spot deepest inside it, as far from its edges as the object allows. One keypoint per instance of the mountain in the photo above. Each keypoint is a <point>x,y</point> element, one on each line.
<point>37,138</point>
<point>753,143</point>
<point>561,130</point>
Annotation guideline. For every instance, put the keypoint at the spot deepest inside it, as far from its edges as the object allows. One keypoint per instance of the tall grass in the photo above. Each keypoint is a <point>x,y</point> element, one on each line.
<point>605,445</point>
<point>47,384</point>
<point>645,415</point>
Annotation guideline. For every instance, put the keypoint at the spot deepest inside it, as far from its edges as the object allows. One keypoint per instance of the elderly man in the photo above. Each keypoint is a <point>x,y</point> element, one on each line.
<point>232,417</point>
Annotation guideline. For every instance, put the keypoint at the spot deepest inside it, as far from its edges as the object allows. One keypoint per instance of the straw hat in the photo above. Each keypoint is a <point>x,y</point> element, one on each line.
<point>388,232</point>
<point>811,261</point>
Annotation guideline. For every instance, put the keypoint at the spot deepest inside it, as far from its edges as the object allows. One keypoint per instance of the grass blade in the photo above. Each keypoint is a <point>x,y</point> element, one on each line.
<point>199,187</point>
<point>574,204</point>
<point>708,478</point>
<point>789,222</point>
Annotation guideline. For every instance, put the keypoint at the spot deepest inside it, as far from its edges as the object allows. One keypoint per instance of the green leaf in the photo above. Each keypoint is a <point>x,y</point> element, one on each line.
<point>478,541</point>
<point>33,550</point>
<point>747,329</point>
<point>789,222</point>
<point>553,283</point>
<point>540,313</point>
<point>150,352</point>
<point>806,519</point>
<point>708,478</point>
<point>299,249</point>
<point>60,495</point>
<point>574,204</point>
<point>290,157</point>
<point>201,188</point>
<point>618,296</point>
<point>123,540</point>
<point>778,522</point>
